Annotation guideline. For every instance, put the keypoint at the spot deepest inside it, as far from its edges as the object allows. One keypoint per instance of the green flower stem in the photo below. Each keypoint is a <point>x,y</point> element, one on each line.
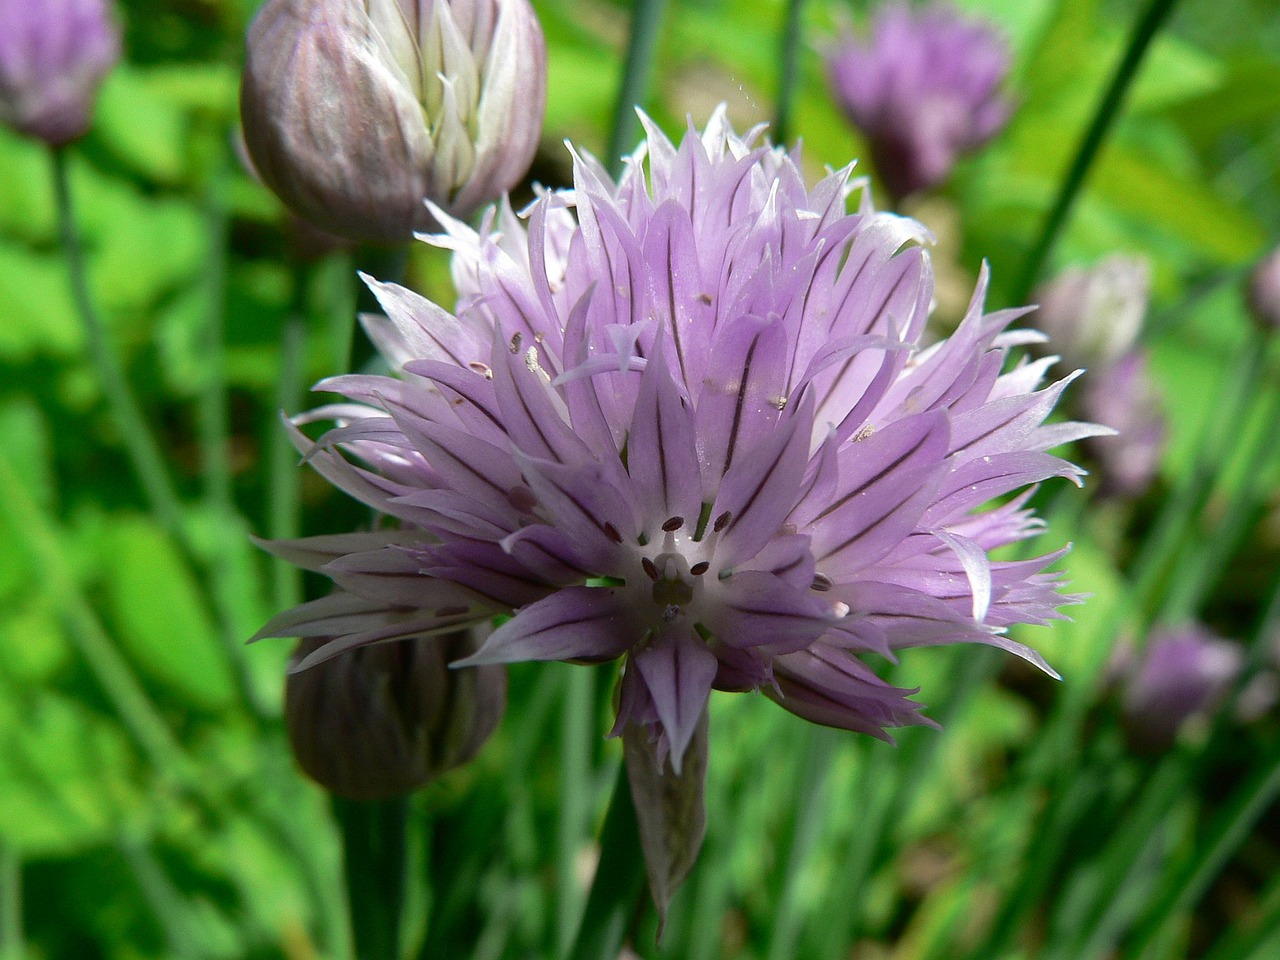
<point>283,507</point>
<point>1202,562</point>
<point>787,77</point>
<point>810,801</point>
<point>619,886</point>
<point>1230,828</point>
<point>1087,932</point>
<point>109,668</point>
<point>646,25</point>
<point>11,938</point>
<point>164,899</point>
<point>1059,737</point>
<point>215,443</point>
<point>140,446</point>
<point>373,845</point>
<point>1144,31</point>
<point>578,730</point>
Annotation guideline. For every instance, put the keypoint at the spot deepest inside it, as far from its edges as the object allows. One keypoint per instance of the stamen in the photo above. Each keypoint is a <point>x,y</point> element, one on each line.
<point>699,568</point>
<point>611,532</point>
<point>673,524</point>
<point>821,583</point>
<point>650,570</point>
<point>515,341</point>
<point>722,521</point>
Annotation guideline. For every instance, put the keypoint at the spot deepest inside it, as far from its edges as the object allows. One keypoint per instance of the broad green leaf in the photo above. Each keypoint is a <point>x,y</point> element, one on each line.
<point>66,775</point>
<point>159,617</point>
<point>145,131</point>
<point>36,312</point>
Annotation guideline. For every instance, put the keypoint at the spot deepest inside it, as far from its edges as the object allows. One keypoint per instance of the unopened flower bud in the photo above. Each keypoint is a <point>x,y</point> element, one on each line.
<point>1264,291</point>
<point>1093,315</point>
<point>1181,674</point>
<point>1122,396</point>
<point>356,111</point>
<point>379,721</point>
<point>923,90</point>
<point>53,56</point>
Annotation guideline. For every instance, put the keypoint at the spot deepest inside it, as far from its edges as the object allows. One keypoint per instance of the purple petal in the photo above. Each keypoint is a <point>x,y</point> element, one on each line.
<point>678,670</point>
<point>574,623</point>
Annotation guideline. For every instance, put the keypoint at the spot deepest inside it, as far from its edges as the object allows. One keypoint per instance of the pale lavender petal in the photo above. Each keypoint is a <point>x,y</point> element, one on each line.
<point>575,623</point>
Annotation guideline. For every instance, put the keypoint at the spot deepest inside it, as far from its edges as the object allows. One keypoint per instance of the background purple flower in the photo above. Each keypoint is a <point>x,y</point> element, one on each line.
<point>1182,672</point>
<point>923,89</point>
<point>53,56</point>
<point>683,419</point>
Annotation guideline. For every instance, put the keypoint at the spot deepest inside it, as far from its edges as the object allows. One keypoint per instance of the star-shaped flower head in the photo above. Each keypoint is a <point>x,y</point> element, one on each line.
<point>684,420</point>
<point>924,88</point>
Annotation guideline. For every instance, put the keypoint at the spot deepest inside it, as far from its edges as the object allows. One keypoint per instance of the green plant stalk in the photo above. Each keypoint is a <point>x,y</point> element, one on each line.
<point>215,442</point>
<point>283,507</point>
<point>646,26</point>
<point>1090,935</point>
<point>140,446</point>
<point>872,797</point>
<point>1230,829</point>
<point>577,732</point>
<point>619,885</point>
<point>1040,864</point>
<point>1196,573</point>
<point>163,898</point>
<point>813,786</point>
<point>1144,31</point>
<point>112,672</point>
<point>1181,507</point>
<point>11,937</point>
<point>788,75</point>
<point>373,847</point>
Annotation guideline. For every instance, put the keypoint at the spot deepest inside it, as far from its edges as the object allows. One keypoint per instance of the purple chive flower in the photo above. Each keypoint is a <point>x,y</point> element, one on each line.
<point>53,56</point>
<point>923,89</point>
<point>1182,673</point>
<point>1123,396</point>
<point>683,420</point>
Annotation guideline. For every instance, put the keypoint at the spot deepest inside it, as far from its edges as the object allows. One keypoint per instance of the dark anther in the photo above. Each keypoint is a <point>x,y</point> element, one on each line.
<point>821,582</point>
<point>673,524</point>
<point>699,568</point>
<point>722,521</point>
<point>612,533</point>
<point>515,341</point>
<point>650,570</point>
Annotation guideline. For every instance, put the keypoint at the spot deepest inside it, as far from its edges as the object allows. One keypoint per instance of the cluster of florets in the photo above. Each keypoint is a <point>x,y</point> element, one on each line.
<point>686,419</point>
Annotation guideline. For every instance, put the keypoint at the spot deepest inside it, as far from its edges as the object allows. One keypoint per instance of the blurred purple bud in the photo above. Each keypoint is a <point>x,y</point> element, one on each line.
<point>1123,396</point>
<point>53,57</point>
<point>1182,673</point>
<point>1264,291</point>
<point>382,720</point>
<point>924,89</point>
<point>1093,315</point>
<point>356,111</point>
